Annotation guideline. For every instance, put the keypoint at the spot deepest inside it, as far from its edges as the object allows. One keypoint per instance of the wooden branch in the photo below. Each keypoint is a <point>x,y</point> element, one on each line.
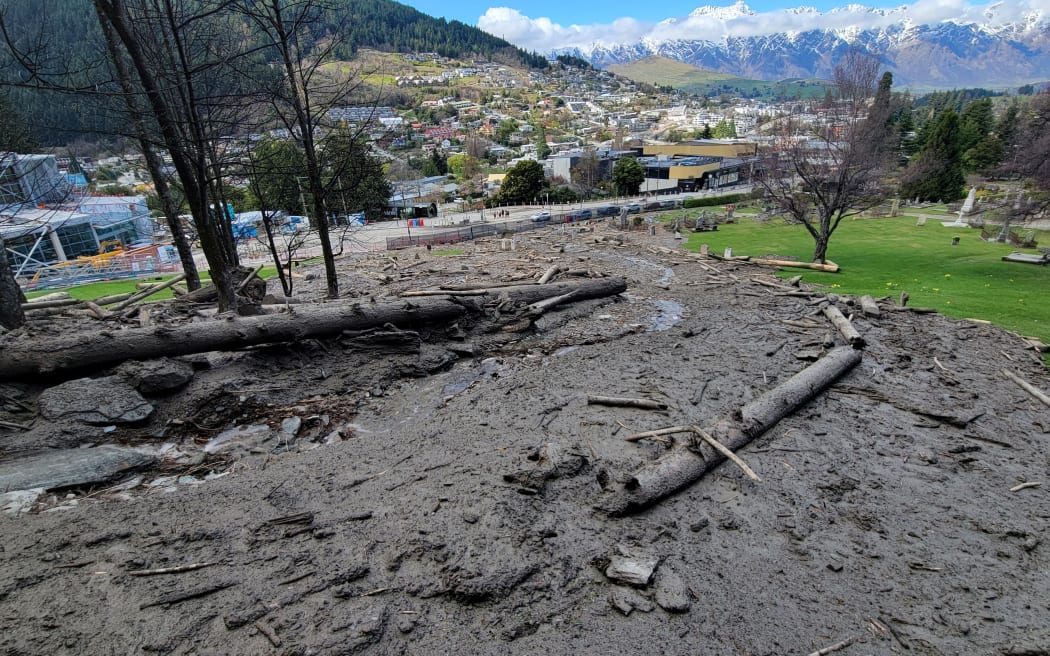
<point>177,569</point>
<point>645,404</point>
<point>539,307</point>
<point>12,425</point>
<point>869,307</point>
<point>97,311</point>
<point>247,279</point>
<point>149,292</point>
<point>773,285</point>
<point>267,631</point>
<point>1028,387</point>
<point>844,326</point>
<point>718,446</point>
<point>548,274</point>
<point>446,292</point>
<point>179,597</point>
<point>659,432</point>
<point>111,299</point>
<point>829,267</point>
<point>1025,486</point>
<point>681,467</point>
<point>56,303</point>
<point>838,646</point>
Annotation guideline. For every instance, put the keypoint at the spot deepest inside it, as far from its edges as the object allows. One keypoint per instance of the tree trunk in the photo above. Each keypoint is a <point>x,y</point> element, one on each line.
<point>682,467</point>
<point>11,296</point>
<point>92,351</point>
<point>154,164</point>
<point>820,248</point>
<point>171,217</point>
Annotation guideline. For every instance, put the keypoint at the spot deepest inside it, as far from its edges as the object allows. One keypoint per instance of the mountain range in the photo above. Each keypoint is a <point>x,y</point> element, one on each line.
<point>943,55</point>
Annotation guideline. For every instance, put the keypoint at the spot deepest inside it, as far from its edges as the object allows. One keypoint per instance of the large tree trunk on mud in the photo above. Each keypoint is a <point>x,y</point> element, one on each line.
<point>91,351</point>
<point>681,466</point>
<point>11,296</point>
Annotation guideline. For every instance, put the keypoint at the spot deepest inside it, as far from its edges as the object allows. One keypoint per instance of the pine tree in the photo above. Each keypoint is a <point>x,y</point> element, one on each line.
<point>936,173</point>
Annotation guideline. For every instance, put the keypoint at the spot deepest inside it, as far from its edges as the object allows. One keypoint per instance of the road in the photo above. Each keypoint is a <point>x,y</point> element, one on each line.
<point>374,236</point>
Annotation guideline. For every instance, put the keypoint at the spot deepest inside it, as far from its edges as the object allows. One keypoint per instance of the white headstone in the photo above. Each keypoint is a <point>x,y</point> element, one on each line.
<point>970,200</point>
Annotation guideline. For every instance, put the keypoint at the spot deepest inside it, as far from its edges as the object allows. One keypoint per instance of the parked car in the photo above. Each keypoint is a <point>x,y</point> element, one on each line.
<point>634,208</point>
<point>608,210</point>
<point>541,216</point>
<point>578,215</point>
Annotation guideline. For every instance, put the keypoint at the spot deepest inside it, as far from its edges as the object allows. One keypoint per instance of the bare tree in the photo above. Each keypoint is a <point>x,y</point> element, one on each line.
<point>827,166</point>
<point>154,163</point>
<point>303,96</point>
<point>179,54</point>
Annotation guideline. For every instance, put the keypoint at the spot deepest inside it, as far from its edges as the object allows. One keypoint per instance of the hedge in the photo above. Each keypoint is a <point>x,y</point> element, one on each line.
<point>728,199</point>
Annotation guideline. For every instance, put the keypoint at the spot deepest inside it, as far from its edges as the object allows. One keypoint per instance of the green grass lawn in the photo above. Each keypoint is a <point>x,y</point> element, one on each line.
<point>884,257</point>
<point>95,290</point>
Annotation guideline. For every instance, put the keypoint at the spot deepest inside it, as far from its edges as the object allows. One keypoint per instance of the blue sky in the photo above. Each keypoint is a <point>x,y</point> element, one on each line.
<point>543,25</point>
<point>583,12</point>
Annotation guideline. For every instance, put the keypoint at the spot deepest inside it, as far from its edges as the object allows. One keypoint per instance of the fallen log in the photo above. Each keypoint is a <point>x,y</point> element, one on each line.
<point>92,350</point>
<point>829,267</point>
<point>581,290</point>
<point>843,324</point>
<point>149,291</point>
<point>681,466</point>
<point>99,349</point>
<point>53,303</point>
<point>1028,387</point>
<point>548,274</point>
<point>869,307</point>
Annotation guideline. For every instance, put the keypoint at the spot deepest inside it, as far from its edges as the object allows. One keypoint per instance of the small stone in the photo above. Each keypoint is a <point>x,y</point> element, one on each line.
<point>630,570</point>
<point>700,525</point>
<point>291,425</point>
<point>626,600</point>
<point>672,594</point>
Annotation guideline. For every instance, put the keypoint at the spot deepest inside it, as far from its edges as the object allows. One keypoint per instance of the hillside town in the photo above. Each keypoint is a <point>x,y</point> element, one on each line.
<point>576,121</point>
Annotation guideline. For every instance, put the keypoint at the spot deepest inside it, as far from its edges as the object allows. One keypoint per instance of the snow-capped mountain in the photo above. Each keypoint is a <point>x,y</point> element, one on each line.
<point>989,53</point>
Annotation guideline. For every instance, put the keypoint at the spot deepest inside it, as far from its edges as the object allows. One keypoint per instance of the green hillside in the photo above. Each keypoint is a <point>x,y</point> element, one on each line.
<point>73,49</point>
<point>685,77</point>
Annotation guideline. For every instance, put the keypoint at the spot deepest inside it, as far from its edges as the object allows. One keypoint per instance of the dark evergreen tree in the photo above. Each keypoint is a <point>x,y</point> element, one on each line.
<point>936,173</point>
<point>523,183</point>
<point>628,176</point>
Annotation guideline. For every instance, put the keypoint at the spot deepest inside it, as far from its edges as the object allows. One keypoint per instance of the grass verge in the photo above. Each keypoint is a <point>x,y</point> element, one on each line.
<point>884,257</point>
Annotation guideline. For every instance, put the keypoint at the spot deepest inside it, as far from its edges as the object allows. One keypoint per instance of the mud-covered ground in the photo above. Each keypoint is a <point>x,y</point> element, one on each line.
<point>447,501</point>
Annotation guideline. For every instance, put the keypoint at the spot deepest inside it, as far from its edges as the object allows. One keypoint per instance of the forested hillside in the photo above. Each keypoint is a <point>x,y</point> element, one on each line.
<point>63,36</point>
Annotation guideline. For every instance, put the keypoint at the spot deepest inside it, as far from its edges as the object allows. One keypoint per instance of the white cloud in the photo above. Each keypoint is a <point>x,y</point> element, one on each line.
<point>717,23</point>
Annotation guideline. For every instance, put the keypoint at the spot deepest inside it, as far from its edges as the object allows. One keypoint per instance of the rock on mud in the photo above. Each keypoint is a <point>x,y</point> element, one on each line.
<point>157,376</point>
<point>69,467</point>
<point>95,401</point>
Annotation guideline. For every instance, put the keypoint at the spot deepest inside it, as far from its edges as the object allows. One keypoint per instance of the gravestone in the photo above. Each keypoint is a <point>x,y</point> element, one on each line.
<point>971,200</point>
